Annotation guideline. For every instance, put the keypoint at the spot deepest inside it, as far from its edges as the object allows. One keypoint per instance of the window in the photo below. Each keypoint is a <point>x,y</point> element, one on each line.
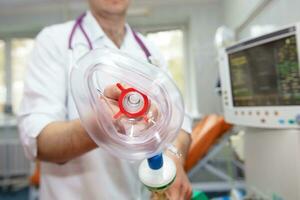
<point>2,81</point>
<point>21,49</point>
<point>170,43</point>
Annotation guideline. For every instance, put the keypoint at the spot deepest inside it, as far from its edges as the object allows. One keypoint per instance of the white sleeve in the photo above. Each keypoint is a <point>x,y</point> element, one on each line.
<point>44,92</point>
<point>158,57</point>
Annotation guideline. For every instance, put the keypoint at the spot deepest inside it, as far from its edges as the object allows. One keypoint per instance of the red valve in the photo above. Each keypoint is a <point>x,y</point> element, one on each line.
<point>124,94</point>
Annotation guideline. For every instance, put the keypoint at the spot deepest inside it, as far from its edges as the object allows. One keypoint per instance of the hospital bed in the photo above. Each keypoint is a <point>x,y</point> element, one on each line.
<point>209,137</point>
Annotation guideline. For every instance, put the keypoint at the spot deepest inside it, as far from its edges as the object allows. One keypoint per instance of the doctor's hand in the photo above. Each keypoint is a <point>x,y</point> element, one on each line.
<point>111,97</point>
<point>181,188</point>
<point>112,94</point>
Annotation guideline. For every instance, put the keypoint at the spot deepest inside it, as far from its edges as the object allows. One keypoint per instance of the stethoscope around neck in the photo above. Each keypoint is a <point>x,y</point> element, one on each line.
<point>78,25</point>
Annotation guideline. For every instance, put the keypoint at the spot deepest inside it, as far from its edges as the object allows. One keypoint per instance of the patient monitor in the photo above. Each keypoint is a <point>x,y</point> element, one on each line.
<point>261,91</point>
<point>261,80</point>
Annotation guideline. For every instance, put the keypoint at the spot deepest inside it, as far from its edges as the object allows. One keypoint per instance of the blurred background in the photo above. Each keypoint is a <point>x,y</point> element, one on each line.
<point>185,32</point>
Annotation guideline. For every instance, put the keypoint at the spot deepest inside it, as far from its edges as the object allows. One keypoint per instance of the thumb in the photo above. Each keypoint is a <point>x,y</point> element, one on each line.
<point>112,92</point>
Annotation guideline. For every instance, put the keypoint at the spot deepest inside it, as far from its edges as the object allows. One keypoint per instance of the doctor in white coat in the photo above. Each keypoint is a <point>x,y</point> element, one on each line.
<point>73,167</point>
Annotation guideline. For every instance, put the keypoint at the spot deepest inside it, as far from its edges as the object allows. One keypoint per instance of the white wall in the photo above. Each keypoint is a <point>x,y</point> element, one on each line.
<point>236,11</point>
<point>30,20</point>
<point>276,12</point>
<point>200,22</point>
<point>203,26</point>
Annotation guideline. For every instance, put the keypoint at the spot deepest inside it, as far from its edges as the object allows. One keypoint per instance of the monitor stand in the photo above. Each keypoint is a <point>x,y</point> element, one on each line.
<point>272,163</point>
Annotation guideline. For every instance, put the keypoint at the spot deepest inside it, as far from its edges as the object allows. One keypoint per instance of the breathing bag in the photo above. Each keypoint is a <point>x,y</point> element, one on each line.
<point>144,119</point>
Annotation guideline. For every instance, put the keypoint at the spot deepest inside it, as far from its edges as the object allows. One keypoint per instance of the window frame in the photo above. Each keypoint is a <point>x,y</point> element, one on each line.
<point>189,101</point>
<point>4,72</point>
<point>14,96</point>
<point>7,38</point>
<point>183,57</point>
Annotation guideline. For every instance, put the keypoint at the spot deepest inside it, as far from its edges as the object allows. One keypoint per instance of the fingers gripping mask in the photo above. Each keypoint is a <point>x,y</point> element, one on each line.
<point>130,108</point>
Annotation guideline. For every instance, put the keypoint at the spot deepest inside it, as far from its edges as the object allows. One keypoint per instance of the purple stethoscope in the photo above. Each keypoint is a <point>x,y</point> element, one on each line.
<point>78,24</point>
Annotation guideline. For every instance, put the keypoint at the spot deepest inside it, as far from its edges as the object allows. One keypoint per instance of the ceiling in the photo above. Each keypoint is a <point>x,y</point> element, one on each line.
<point>15,7</point>
<point>31,15</point>
<point>148,2</point>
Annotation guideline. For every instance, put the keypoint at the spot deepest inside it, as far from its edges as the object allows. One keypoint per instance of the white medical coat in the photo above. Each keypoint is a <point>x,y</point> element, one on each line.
<point>47,98</point>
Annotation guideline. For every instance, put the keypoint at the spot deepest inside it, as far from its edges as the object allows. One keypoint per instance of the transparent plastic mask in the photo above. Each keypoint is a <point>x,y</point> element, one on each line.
<point>148,114</point>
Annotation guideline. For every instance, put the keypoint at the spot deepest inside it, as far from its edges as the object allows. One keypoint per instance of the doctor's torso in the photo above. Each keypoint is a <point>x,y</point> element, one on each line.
<point>95,175</point>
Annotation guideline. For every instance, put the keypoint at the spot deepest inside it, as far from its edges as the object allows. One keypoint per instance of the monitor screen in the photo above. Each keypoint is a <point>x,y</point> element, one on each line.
<point>266,75</point>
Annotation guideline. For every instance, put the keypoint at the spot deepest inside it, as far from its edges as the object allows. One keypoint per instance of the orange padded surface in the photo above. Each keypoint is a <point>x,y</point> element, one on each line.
<point>204,135</point>
<point>35,178</point>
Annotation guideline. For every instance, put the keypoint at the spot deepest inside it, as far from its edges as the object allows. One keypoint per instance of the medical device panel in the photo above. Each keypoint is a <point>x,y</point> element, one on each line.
<point>261,80</point>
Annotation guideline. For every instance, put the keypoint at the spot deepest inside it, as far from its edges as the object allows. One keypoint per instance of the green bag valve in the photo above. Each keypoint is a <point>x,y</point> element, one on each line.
<point>197,195</point>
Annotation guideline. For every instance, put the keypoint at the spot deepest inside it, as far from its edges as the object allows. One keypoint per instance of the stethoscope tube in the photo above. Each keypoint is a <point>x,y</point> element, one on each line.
<point>78,24</point>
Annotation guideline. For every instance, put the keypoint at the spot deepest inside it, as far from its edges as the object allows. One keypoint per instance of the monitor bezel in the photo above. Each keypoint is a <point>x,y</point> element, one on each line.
<point>230,111</point>
<point>260,42</point>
